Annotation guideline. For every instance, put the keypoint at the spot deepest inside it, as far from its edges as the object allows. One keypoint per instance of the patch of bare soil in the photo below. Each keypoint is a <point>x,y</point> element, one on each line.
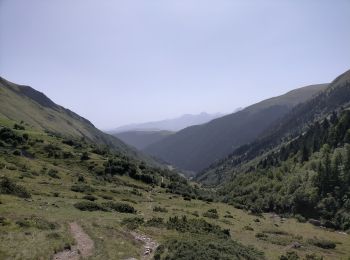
<point>84,245</point>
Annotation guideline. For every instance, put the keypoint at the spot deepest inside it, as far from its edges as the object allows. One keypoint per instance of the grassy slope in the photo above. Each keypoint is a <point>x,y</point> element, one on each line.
<point>195,148</point>
<point>22,103</point>
<point>52,200</point>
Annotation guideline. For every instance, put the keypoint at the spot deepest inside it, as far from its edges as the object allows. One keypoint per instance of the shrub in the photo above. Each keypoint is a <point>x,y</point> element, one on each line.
<point>53,235</point>
<point>119,207</point>
<point>10,137</point>
<point>155,222</point>
<point>107,197</point>
<point>53,174</point>
<point>260,235</point>
<point>4,221</point>
<point>160,209</point>
<point>7,186</point>
<point>18,127</point>
<point>249,228</point>
<point>205,248</point>
<point>82,188</point>
<point>37,222</point>
<point>17,153</point>
<point>89,206</point>
<point>199,226</point>
<point>290,256</point>
<point>89,197</point>
<point>322,243</point>
<point>300,218</point>
<point>132,223</point>
<point>85,156</point>
<point>211,213</point>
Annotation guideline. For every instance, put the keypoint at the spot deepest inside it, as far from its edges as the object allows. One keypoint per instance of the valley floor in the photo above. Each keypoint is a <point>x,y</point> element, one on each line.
<point>53,203</point>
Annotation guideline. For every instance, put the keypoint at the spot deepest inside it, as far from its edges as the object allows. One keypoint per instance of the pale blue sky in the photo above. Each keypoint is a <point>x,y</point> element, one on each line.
<point>117,62</point>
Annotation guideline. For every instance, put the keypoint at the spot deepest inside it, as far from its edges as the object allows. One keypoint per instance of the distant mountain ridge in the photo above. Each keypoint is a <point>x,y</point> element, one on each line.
<point>173,124</point>
<point>195,148</point>
<point>142,139</point>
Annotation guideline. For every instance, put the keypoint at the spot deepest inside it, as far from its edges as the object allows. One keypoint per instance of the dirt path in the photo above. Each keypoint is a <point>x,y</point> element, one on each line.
<point>84,245</point>
<point>149,246</point>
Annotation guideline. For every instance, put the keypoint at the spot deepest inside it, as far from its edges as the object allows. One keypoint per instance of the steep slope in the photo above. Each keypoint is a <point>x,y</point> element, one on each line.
<point>174,124</point>
<point>334,98</point>
<point>195,148</point>
<point>23,103</point>
<point>308,177</point>
<point>142,139</point>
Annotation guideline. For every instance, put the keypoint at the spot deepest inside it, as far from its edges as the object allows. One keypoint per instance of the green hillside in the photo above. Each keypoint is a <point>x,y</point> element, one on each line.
<point>195,148</point>
<point>67,197</point>
<point>33,108</point>
<point>63,196</point>
<point>305,175</point>
<point>334,98</point>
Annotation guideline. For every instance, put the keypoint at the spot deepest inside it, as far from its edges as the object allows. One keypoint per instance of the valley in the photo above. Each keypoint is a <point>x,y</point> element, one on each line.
<point>60,191</point>
<point>66,196</point>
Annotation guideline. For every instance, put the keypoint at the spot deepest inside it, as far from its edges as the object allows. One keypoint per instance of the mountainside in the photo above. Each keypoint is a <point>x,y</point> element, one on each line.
<point>196,147</point>
<point>300,166</point>
<point>62,197</point>
<point>23,103</point>
<point>142,139</point>
<point>172,125</point>
<point>334,98</point>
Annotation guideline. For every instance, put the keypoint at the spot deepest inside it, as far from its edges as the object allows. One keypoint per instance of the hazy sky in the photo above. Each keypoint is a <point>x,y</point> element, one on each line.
<point>117,62</point>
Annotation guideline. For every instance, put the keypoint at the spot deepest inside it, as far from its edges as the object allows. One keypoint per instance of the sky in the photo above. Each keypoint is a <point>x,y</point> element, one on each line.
<point>127,61</point>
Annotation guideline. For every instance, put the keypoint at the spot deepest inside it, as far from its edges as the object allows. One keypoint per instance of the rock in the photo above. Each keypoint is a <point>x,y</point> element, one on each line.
<point>315,222</point>
<point>295,245</point>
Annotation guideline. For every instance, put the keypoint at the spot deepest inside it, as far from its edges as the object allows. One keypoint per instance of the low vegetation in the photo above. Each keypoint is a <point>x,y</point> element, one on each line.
<point>43,189</point>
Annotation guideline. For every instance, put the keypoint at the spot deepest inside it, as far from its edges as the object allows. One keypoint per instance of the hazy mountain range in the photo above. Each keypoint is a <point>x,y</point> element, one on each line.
<point>173,124</point>
<point>196,147</point>
<point>141,139</point>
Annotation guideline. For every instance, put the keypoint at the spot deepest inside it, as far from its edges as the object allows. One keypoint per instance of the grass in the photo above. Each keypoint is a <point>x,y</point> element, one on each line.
<point>37,227</point>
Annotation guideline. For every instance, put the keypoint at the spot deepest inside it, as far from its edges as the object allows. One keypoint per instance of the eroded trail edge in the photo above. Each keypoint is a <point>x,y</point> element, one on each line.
<point>149,245</point>
<point>84,245</point>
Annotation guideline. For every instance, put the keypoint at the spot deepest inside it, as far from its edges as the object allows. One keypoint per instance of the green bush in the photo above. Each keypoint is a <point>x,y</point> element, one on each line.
<point>89,206</point>
<point>211,213</point>
<point>107,197</point>
<point>199,226</point>
<point>10,137</point>
<point>322,243</point>
<point>53,174</point>
<point>18,127</point>
<point>119,207</point>
<point>85,156</point>
<point>82,188</point>
<point>37,222</point>
<point>205,248</point>
<point>133,223</point>
<point>289,256</point>
<point>7,186</point>
<point>160,209</point>
<point>155,222</point>
<point>300,218</point>
<point>89,197</point>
